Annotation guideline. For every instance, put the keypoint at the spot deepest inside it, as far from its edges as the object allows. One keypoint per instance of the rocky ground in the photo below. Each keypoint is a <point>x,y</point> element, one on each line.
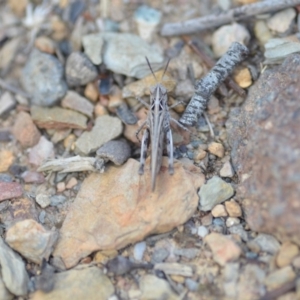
<point>77,219</point>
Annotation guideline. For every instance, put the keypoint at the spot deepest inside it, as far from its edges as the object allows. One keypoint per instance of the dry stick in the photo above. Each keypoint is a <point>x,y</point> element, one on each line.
<point>235,14</point>
<point>209,83</point>
<point>210,63</point>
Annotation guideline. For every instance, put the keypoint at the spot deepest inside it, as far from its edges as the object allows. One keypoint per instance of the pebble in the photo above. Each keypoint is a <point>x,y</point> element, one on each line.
<point>214,192</point>
<point>71,183</point>
<point>216,149</point>
<point>113,207</point>
<point>191,284</point>
<point>106,128</point>
<point>45,44</point>
<point>139,250</point>
<point>6,160</point>
<point>206,220</point>
<point>5,136</point>
<point>223,37</point>
<point>219,211</point>
<point>279,277</point>
<point>288,251</point>
<point>25,131</point>
<point>232,221</point>
<point>175,269</point>
<point>100,110</point>
<point>115,97</point>
<point>131,61</point>
<point>43,200</point>
<point>189,253</point>
<point>92,45</point>
<point>7,102</point>
<point>227,170</point>
<point>33,177</point>
<point>281,22</point>
<point>43,68</point>
<point>79,69</point>
<point>239,230</point>
<point>8,52</point>
<point>57,118</point>
<point>153,287</point>
<point>9,190</point>
<point>159,255</point>
<point>147,20</point>
<point>86,283</point>
<point>199,154</point>
<point>126,115</point>
<point>74,101</point>
<point>13,271</point>
<point>59,135</point>
<point>262,31</point>
<point>296,262</point>
<point>91,92</point>
<point>31,240</point>
<point>202,231</point>
<point>267,243</point>
<point>57,200</point>
<point>243,77</point>
<point>233,208</point>
<point>42,151</point>
<point>5,177</point>
<point>4,292</point>
<point>60,187</point>
<point>42,216</point>
<point>223,248</point>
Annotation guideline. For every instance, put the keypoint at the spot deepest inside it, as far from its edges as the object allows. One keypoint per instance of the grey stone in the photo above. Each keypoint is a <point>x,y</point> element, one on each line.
<point>93,47</point>
<point>189,253</point>
<point>106,128</point>
<point>13,270</point>
<point>7,102</point>
<point>159,255</point>
<point>240,231</point>
<point>267,243</point>
<point>57,200</point>
<point>116,151</point>
<point>126,115</point>
<point>42,78</point>
<point>4,292</point>
<point>43,200</point>
<point>79,69</point>
<point>214,192</point>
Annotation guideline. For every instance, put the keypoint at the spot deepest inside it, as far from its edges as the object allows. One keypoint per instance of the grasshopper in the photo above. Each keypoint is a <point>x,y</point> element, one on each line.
<point>157,128</point>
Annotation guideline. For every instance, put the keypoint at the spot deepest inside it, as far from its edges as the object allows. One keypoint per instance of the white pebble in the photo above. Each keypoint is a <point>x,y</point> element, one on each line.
<point>202,231</point>
<point>232,221</point>
<point>138,250</point>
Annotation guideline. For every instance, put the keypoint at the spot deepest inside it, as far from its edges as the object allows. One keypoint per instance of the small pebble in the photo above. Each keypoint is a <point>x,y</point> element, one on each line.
<point>7,102</point>
<point>296,262</point>
<point>43,150</point>
<point>6,160</point>
<point>159,255</point>
<point>60,187</point>
<point>199,154</point>
<point>240,231</point>
<point>57,200</point>
<point>267,243</point>
<point>233,209</point>
<point>42,216</point>
<point>191,284</point>
<point>206,220</point>
<point>9,190</point>
<point>279,277</point>
<point>45,44</point>
<point>243,77</point>
<point>71,183</point>
<point>232,221</point>
<point>202,231</point>
<point>262,32</point>
<point>282,21</point>
<point>138,250</point>
<point>100,110</point>
<point>219,211</point>
<point>43,200</point>
<point>126,115</point>
<point>288,251</point>
<point>91,92</point>
<point>227,170</point>
<point>33,177</point>
<point>216,149</point>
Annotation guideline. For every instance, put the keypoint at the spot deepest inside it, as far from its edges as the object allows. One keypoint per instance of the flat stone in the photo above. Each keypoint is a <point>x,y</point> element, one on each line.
<point>43,78</point>
<point>8,51</point>
<point>33,177</point>
<point>226,170</point>
<point>92,45</point>
<point>4,292</point>
<point>233,208</point>
<point>43,200</point>
<point>13,271</point>
<point>6,160</point>
<point>267,243</point>
<point>214,192</point>
<point>88,283</point>
<point>57,118</point>
<point>279,277</point>
<point>91,92</point>
<point>9,190</point>
<point>106,128</point>
<point>125,211</point>
<point>7,102</point>
<point>79,69</point>
<point>288,251</point>
<point>31,240</point>
<point>224,249</point>
<point>43,150</point>
<point>74,101</point>
<point>216,149</point>
<point>219,211</point>
<point>25,130</point>
<point>282,21</point>
<point>153,287</point>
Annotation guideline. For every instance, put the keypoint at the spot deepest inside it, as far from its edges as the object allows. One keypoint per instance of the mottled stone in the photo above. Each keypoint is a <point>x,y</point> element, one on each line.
<point>224,249</point>
<point>9,190</point>
<point>42,78</point>
<point>57,118</point>
<point>214,192</point>
<point>31,240</point>
<point>88,283</point>
<point>125,211</point>
<point>268,163</point>
<point>93,47</point>
<point>106,128</point>
<point>25,130</point>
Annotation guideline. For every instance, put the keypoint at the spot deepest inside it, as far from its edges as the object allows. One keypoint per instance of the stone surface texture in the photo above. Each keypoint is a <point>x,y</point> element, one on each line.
<point>265,141</point>
<point>117,208</point>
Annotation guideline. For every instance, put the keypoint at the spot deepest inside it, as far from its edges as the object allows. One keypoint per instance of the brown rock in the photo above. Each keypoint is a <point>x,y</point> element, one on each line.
<point>216,149</point>
<point>100,110</point>
<point>33,177</point>
<point>91,92</point>
<point>219,211</point>
<point>233,209</point>
<point>227,170</point>
<point>71,183</point>
<point>199,154</point>
<point>279,277</point>
<point>288,251</point>
<point>243,77</point>
<point>31,240</point>
<point>123,210</point>
<point>6,160</point>
<point>45,44</point>
<point>57,118</point>
<point>223,248</point>
<point>268,164</point>
<point>25,130</point>
<point>9,190</point>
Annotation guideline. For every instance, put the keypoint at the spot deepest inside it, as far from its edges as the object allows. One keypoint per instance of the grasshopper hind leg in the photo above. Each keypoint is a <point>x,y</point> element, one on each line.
<point>144,147</point>
<point>169,141</point>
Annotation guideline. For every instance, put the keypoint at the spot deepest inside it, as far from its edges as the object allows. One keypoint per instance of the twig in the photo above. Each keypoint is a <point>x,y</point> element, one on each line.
<point>13,89</point>
<point>226,17</point>
<point>208,84</point>
<point>287,287</point>
<point>210,63</point>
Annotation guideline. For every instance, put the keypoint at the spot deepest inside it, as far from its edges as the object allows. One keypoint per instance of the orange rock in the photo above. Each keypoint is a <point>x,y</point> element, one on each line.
<point>117,208</point>
<point>6,160</point>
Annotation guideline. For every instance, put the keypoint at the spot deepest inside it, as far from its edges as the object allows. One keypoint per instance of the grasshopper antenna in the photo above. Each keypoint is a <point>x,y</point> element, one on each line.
<point>166,67</point>
<point>150,68</point>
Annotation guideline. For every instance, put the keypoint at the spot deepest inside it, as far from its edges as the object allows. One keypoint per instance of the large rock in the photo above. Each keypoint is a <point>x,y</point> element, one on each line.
<point>117,208</point>
<point>265,141</point>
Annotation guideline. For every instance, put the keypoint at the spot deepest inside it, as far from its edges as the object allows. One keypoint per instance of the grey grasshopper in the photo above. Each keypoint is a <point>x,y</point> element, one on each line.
<point>157,129</point>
